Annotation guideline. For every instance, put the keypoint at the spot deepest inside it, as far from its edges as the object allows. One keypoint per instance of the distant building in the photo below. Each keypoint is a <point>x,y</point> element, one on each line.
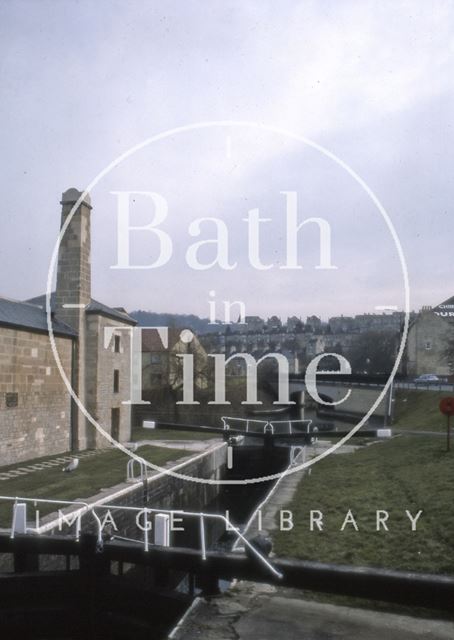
<point>445,309</point>
<point>339,342</point>
<point>314,324</point>
<point>427,341</point>
<point>293,360</point>
<point>294,325</point>
<point>379,321</point>
<point>315,346</point>
<point>37,415</point>
<point>274,324</point>
<point>253,324</point>
<point>161,366</point>
<point>341,324</point>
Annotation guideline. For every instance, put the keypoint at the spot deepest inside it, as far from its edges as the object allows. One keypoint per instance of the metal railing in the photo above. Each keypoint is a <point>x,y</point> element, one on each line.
<point>202,517</point>
<point>418,386</point>
<point>62,518</point>
<point>91,509</point>
<point>268,425</point>
<point>143,466</point>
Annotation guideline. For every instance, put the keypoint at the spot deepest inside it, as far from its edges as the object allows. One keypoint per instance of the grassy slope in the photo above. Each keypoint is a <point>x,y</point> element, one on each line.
<point>415,409</point>
<point>94,473</point>
<point>404,473</point>
<point>139,433</point>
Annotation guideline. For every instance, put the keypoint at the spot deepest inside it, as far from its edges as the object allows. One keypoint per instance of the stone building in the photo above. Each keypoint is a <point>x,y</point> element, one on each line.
<point>35,408</point>
<point>446,309</point>
<point>341,324</point>
<point>427,340</point>
<point>274,324</point>
<point>379,321</point>
<point>37,415</point>
<point>294,324</point>
<point>161,366</point>
<point>253,324</point>
<point>314,324</point>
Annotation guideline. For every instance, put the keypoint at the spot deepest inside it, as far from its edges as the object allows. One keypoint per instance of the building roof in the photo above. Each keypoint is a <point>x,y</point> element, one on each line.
<point>95,307</point>
<point>152,342</point>
<point>31,317</point>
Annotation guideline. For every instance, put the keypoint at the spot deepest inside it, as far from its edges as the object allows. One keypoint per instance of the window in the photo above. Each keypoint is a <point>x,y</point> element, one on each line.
<point>428,345</point>
<point>117,344</point>
<point>115,424</point>
<point>116,381</point>
<point>12,399</point>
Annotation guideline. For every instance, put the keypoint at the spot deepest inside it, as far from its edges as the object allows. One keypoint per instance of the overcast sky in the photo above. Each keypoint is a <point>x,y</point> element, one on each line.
<point>83,81</point>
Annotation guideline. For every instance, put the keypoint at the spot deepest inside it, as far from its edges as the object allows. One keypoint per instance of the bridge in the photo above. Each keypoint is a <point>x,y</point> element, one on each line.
<point>350,395</point>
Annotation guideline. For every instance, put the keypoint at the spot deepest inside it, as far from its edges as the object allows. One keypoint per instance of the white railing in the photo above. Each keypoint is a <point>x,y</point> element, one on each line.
<point>267,425</point>
<point>246,422</point>
<point>442,386</point>
<point>143,467</point>
<point>202,517</point>
<point>292,423</point>
<point>62,518</point>
<point>140,511</point>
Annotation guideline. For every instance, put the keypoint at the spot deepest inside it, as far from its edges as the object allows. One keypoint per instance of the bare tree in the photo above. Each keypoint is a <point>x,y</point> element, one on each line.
<point>373,352</point>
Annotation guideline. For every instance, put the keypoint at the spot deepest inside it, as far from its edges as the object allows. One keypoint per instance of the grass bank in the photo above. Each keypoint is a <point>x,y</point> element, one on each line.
<point>405,473</point>
<point>93,474</point>
<point>417,409</point>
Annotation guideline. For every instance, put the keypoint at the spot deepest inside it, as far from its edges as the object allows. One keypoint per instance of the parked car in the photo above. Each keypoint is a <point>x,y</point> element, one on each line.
<point>428,378</point>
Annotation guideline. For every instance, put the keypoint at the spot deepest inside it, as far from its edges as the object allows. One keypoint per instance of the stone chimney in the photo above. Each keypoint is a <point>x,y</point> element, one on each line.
<point>73,291</point>
<point>73,294</point>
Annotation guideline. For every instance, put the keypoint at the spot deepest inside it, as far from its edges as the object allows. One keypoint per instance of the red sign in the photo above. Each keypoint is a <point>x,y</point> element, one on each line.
<point>447,406</point>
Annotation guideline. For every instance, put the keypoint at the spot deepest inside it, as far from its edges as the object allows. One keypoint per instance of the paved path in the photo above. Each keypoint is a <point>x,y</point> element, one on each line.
<point>188,445</point>
<point>418,432</point>
<point>25,469</point>
<point>250,611</point>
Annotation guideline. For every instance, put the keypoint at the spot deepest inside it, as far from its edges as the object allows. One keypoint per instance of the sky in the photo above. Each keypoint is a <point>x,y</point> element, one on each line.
<point>367,83</point>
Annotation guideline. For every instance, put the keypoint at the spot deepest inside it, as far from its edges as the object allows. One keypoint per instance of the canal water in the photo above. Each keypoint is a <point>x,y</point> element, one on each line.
<point>239,500</point>
<point>252,460</point>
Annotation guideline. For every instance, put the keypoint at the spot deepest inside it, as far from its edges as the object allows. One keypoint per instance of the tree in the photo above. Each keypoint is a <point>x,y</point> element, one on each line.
<point>373,352</point>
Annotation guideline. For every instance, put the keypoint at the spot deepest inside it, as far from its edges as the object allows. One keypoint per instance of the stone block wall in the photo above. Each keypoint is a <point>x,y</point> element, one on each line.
<point>427,340</point>
<point>101,363</point>
<point>161,491</point>
<point>40,424</point>
<point>358,402</point>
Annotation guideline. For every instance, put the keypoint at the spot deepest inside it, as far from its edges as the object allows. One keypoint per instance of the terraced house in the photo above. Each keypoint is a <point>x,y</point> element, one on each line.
<point>38,416</point>
<point>429,335</point>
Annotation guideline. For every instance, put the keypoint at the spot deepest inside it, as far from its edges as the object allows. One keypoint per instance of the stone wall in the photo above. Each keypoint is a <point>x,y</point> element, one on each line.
<point>161,491</point>
<point>40,424</point>
<point>101,363</point>
<point>358,402</point>
<point>427,340</point>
